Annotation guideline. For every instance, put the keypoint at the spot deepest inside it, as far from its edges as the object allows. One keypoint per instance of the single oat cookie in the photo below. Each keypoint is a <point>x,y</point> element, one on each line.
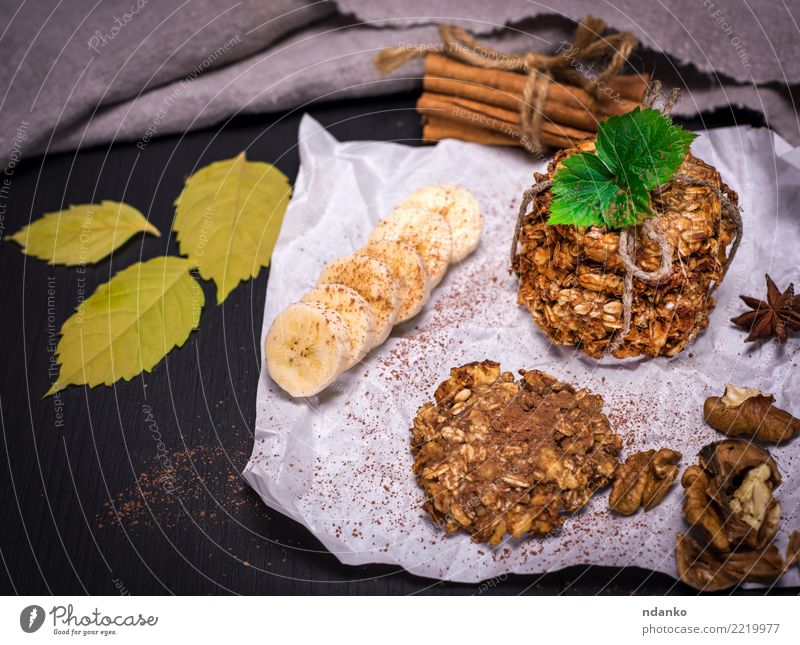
<point>495,456</point>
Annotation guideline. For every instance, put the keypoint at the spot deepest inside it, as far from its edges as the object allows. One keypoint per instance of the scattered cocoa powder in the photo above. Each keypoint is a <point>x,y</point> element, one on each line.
<point>200,480</point>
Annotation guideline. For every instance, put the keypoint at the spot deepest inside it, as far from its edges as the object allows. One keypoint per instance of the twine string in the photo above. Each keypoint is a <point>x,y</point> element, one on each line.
<point>650,229</point>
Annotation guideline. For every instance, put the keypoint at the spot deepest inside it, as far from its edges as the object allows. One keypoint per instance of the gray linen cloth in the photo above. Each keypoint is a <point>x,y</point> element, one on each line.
<point>89,72</point>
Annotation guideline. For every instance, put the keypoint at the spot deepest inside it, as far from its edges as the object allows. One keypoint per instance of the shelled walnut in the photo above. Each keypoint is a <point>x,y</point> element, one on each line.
<point>749,412</point>
<point>495,456</point>
<point>643,480</point>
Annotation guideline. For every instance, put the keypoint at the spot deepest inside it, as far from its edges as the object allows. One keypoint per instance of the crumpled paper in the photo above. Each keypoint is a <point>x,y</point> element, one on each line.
<point>340,464</point>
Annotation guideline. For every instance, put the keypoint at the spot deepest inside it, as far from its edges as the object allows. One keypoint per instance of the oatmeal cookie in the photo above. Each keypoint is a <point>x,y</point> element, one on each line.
<point>495,455</point>
<point>571,278</point>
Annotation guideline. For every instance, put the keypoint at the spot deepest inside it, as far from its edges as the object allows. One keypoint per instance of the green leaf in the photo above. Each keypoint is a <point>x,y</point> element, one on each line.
<point>635,153</point>
<point>582,190</point>
<point>227,219</point>
<point>642,144</point>
<point>82,234</point>
<point>129,323</point>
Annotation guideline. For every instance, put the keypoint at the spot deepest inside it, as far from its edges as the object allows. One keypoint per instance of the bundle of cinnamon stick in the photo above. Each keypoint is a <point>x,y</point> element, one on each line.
<point>470,103</point>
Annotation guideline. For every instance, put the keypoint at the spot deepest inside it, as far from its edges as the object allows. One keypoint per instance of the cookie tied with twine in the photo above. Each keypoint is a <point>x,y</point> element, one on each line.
<point>566,68</point>
<point>643,290</point>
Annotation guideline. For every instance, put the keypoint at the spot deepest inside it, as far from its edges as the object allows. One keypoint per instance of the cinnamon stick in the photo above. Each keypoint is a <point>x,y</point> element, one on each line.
<point>553,110</point>
<point>625,91</point>
<point>435,128</point>
<point>491,117</point>
<point>471,90</point>
<point>438,65</point>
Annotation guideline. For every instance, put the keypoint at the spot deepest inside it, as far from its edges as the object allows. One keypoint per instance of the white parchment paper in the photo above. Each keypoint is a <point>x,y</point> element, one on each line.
<point>340,464</point>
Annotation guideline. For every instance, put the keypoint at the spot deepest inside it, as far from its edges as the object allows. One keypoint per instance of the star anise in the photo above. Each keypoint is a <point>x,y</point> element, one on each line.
<point>770,318</point>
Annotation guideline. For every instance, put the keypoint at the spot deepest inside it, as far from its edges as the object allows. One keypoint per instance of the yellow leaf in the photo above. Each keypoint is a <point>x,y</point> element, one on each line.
<point>129,323</point>
<point>82,234</point>
<point>227,219</point>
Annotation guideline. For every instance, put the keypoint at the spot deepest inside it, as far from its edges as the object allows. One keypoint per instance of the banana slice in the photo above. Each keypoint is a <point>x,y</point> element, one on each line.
<point>459,208</point>
<point>307,347</point>
<point>354,310</point>
<point>374,281</point>
<point>426,231</point>
<point>409,270</point>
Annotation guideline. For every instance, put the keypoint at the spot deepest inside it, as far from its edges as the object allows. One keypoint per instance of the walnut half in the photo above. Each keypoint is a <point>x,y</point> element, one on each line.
<point>643,480</point>
<point>751,413</point>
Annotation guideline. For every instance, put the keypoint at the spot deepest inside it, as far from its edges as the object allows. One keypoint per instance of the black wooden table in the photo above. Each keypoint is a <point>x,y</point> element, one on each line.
<point>91,501</point>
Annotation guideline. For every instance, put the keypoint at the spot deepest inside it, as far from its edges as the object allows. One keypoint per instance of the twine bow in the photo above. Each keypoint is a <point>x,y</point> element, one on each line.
<point>588,46</point>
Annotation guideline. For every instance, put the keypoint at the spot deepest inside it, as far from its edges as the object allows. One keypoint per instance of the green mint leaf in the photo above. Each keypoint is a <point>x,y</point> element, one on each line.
<point>582,190</point>
<point>635,153</point>
<point>643,144</point>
